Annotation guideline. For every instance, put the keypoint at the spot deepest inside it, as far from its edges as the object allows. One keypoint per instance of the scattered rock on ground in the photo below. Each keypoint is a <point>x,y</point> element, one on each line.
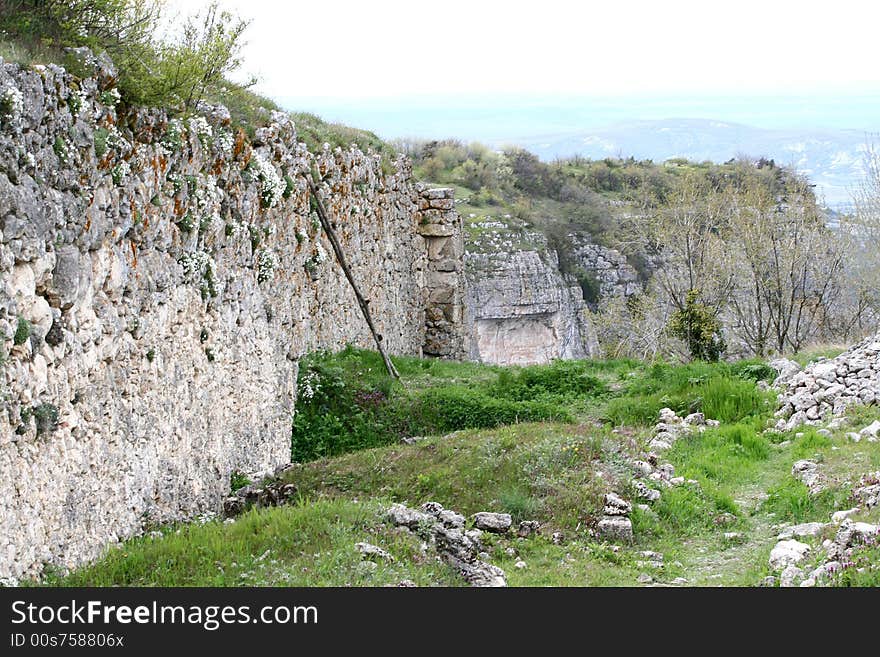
<point>448,517</point>
<point>370,551</point>
<point>839,516</point>
<point>791,576</point>
<point>255,496</point>
<point>615,528</point>
<point>616,505</point>
<point>867,491</point>
<point>870,431</point>
<point>808,472</point>
<point>454,546</point>
<point>788,553</point>
<point>498,523</point>
<point>803,529</point>
<point>527,528</point>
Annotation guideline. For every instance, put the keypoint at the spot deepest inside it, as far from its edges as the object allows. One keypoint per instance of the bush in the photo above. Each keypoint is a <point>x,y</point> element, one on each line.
<point>168,71</point>
<point>700,329</point>
<point>22,332</point>
<point>752,370</point>
<point>561,379</point>
<point>183,70</point>
<point>46,418</point>
<point>347,402</point>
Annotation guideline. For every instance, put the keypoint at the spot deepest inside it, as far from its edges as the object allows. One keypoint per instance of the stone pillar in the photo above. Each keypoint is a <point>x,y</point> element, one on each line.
<point>446,323</point>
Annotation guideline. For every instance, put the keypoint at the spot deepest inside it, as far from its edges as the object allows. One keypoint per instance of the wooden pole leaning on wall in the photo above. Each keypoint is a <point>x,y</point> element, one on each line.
<point>340,258</point>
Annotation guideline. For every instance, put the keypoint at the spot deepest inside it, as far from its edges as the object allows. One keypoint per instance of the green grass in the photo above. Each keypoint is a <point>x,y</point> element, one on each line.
<point>865,570</point>
<point>533,471</point>
<point>724,457</point>
<point>308,544</point>
<point>315,132</point>
<point>811,354</point>
<point>721,391</point>
<point>554,472</point>
<point>356,405</point>
<point>791,501</point>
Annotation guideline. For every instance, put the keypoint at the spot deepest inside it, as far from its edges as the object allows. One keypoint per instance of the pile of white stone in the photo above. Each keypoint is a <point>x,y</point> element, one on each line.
<point>615,524</point>
<point>798,563</point>
<point>671,427</point>
<point>444,529</point>
<point>826,388</point>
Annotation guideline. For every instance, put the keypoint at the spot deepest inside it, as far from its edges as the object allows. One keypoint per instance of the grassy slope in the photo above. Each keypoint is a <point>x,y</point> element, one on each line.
<point>552,472</point>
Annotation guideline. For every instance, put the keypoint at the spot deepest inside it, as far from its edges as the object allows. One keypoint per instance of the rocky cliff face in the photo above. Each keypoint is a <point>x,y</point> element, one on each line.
<point>609,267</point>
<point>525,310</point>
<point>159,280</point>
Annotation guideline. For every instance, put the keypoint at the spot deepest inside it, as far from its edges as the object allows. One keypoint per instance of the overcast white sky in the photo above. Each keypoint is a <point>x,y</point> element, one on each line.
<point>394,48</point>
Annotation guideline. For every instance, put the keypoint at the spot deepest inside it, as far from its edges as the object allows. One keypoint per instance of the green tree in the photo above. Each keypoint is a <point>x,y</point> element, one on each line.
<point>698,326</point>
<point>187,67</point>
<point>177,70</point>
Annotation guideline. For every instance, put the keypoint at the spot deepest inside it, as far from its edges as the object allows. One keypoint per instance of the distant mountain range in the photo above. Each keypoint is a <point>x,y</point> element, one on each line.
<point>833,159</point>
<point>821,134</point>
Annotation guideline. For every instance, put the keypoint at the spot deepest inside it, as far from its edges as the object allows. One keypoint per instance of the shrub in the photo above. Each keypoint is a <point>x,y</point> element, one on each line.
<point>752,370</point>
<point>22,331</point>
<point>238,480</point>
<point>155,69</point>
<point>700,329</point>
<point>564,379</point>
<point>46,417</point>
<point>347,401</point>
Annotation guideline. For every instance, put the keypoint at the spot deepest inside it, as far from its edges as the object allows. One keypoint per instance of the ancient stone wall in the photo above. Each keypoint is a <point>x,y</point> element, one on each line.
<point>447,321</point>
<point>159,280</point>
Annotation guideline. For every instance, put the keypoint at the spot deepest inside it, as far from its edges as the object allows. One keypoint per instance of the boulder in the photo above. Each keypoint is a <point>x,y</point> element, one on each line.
<point>615,528</point>
<point>788,553</point>
<point>403,516</point>
<point>497,523</point>
<point>839,516</point>
<point>373,552</point>
<point>645,492</point>
<point>786,369</point>
<point>803,529</point>
<point>616,505</point>
<point>871,430</point>
<point>696,419</point>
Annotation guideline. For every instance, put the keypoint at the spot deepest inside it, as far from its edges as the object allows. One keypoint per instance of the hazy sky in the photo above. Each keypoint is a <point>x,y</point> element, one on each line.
<point>392,48</point>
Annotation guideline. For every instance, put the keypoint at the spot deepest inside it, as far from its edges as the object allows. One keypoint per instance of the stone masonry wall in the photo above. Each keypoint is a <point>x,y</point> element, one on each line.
<point>159,280</point>
<point>446,313</point>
